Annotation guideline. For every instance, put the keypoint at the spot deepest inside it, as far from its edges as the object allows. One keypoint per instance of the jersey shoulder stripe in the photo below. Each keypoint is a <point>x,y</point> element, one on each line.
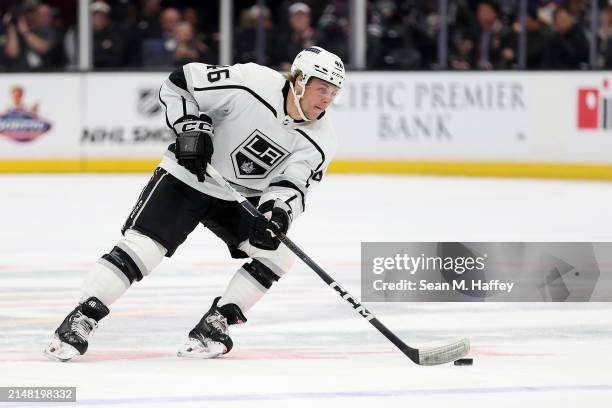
<point>166,109</point>
<point>244,88</point>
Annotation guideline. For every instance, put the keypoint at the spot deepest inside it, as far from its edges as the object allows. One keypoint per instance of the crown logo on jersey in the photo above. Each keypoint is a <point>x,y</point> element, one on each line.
<point>247,167</point>
<point>257,156</point>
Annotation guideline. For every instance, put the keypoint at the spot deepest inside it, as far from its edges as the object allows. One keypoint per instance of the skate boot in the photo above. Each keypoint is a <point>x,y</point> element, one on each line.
<point>70,339</point>
<point>210,339</point>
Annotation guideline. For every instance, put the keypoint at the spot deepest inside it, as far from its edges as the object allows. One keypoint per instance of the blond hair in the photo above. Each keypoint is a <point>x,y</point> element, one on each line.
<point>291,77</point>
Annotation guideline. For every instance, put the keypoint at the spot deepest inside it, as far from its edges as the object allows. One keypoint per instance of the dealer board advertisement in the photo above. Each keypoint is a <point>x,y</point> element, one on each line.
<point>446,117</point>
<point>403,116</point>
<point>122,116</point>
<point>40,116</point>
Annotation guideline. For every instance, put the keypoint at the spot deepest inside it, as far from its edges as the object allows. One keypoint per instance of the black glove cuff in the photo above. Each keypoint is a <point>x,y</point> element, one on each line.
<point>187,143</point>
<point>191,123</point>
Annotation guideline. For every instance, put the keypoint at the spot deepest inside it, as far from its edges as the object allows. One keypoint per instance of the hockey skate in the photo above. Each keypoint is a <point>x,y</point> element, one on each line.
<point>210,339</point>
<point>71,337</point>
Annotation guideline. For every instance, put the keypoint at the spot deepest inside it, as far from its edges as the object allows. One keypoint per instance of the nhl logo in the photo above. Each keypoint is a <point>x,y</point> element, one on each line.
<point>257,156</point>
<point>148,103</point>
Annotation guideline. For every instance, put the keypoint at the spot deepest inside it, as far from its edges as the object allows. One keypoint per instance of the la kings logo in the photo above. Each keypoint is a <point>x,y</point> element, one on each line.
<point>256,157</point>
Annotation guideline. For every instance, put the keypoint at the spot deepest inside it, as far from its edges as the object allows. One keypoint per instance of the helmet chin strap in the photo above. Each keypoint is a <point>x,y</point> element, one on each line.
<point>296,101</point>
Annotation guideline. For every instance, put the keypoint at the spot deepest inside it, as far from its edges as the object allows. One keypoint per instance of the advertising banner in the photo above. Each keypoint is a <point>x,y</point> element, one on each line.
<point>122,116</point>
<point>584,117</point>
<point>538,117</point>
<point>530,124</point>
<point>463,116</point>
<point>40,116</point>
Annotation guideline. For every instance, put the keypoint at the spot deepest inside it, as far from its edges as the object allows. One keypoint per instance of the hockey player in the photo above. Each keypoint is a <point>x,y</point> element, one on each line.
<point>270,137</point>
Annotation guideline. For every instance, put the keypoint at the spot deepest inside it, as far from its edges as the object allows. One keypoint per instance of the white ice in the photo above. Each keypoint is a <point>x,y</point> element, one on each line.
<point>303,346</point>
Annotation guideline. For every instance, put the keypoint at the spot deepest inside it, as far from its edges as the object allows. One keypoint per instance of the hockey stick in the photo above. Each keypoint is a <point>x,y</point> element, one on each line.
<point>434,356</point>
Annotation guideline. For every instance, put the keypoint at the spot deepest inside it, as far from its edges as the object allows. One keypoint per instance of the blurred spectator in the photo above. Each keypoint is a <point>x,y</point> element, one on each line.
<point>569,48</point>
<point>282,12</point>
<point>107,41</point>
<point>148,24</point>
<point>546,11</point>
<point>508,10</point>
<point>461,25</point>
<point>401,34</point>
<point>491,44</point>
<point>192,16</point>
<point>392,42</point>
<point>425,19</point>
<point>245,38</point>
<point>538,38</point>
<point>186,47</point>
<point>3,39</point>
<point>159,52</point>
<point>332,30</point>
<point>137,25</point>
<point>578,8</point>
<point>31,41</point>
<point>604,37</point>
<point>300,35</point>
<point>168,20</point>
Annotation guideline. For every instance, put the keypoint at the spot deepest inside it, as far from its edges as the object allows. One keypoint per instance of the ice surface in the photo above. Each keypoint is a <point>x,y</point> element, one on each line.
<point>303,346</point>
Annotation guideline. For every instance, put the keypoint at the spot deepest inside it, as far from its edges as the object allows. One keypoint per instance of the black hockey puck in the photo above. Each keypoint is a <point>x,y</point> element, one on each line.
<point>464,362</point>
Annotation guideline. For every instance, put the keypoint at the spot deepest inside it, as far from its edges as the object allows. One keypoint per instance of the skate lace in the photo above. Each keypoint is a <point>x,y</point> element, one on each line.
<point>217,321</point>
<point>83,326</point>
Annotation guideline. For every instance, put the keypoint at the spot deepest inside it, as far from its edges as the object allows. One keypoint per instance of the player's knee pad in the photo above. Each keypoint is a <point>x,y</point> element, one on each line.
<point>261,273</point>
<point>136,255</point>
<point>278,261</point>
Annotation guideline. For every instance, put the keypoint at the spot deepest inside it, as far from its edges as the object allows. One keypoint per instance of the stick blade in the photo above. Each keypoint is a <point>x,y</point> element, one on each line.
<point>444,354</point>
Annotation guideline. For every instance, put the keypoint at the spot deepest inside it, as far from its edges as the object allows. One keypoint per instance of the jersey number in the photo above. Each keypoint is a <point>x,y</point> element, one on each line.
<point>215,76</point>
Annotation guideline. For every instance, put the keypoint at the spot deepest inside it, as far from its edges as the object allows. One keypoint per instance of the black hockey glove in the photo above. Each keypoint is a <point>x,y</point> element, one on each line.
<point>276,216</point>
<point>194,146</point>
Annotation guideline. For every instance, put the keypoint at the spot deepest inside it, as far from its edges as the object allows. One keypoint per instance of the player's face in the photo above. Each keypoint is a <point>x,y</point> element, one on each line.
<point>317,97</point>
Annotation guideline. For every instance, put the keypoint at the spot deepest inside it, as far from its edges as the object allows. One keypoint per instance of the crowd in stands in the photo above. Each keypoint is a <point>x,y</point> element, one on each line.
<point>401,34</point>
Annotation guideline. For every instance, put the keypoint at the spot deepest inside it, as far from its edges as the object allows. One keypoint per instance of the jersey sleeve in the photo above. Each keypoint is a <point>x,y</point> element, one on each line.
<point>305,169</point>
<point>197,87</point>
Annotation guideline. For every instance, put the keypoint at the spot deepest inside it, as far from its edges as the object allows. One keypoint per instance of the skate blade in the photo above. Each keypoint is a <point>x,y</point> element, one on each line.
<point>203,350</point>
<point>60,351</point>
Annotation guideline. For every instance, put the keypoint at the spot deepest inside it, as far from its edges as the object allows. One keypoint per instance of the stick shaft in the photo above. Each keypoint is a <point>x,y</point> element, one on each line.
<point>344,294</point>
<point>412,353</point>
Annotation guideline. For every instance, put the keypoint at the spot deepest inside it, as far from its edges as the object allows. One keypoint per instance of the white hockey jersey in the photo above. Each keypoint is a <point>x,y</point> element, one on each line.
<point>258,148</point>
